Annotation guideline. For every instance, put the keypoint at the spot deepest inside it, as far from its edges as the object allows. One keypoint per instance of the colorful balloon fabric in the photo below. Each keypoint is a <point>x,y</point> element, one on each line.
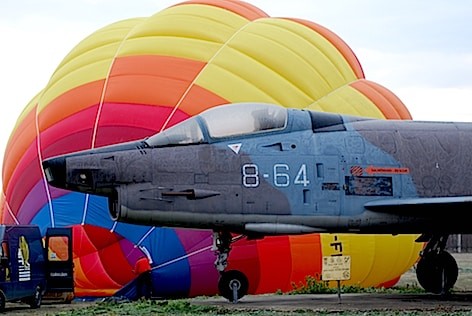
<point>137,77</point>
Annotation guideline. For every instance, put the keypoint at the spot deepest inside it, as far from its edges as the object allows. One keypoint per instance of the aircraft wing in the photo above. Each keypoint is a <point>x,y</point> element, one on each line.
<point>422,206</point>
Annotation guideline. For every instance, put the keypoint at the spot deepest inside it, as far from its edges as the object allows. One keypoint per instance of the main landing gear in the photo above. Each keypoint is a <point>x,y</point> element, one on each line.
<point>232,284</point>
<point>437,269</point>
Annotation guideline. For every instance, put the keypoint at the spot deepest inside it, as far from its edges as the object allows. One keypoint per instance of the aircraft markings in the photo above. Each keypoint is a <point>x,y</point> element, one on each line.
<point>235,147</point>
<point>386,170</point>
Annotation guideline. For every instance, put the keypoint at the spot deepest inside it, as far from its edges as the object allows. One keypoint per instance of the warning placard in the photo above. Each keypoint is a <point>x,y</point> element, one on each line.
<point>336,268</point>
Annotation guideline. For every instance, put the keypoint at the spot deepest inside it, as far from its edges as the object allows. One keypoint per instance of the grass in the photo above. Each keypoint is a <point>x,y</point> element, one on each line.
<point>314,286</point>
<point>185,307</point>
<point>143,307</point>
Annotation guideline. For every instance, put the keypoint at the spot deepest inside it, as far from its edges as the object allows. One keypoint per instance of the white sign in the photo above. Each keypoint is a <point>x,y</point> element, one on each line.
<point>336,268</point>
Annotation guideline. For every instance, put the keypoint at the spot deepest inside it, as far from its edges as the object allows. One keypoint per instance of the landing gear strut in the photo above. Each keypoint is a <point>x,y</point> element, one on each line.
<point>232,284</point>
<point>437,269</point>
<point>222,246</point>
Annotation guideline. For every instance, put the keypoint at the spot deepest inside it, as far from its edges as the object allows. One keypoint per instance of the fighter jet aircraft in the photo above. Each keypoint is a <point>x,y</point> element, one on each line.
<point>259,169</point>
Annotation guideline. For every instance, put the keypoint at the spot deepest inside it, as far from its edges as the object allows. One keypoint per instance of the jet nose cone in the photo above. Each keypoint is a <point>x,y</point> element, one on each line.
<point>55,171</point>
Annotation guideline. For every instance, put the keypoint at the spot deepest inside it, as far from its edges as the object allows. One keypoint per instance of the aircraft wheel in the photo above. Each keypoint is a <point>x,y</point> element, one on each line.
<point>437,273</point>
<point>233,285</point>
<point>35,300</point>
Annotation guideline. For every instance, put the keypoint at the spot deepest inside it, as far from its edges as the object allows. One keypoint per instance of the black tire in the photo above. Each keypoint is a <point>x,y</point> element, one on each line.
<point>437,273</point>
<point>232,278</point>
<point>3,300</point>
<point>35,300</point>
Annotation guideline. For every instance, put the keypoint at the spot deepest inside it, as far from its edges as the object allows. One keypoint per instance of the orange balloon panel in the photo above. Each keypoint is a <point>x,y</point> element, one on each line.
<point>285,262</point>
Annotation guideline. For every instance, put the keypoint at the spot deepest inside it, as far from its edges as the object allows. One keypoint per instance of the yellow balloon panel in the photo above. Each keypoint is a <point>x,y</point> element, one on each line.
<point>259,54</point>
<point>258,81</point>
<point>347,100</point>
<point>189,48</point>
<point>89,61</point>
<point>185,21</point>
<point>103,42</point>
<point>31,106</point>
<point>229,85</point>
<point>406,252</point>
<point>374,258</point>
<point>91,72</point>
<point>184,31</point>
<point>112,33</point>
<point>315,49</point>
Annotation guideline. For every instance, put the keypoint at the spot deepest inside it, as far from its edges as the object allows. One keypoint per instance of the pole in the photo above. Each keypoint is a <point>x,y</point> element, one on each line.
<point>339,291</point>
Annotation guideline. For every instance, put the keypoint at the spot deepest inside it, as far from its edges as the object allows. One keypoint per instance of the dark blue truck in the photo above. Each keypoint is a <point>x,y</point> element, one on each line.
<point>32,266</point>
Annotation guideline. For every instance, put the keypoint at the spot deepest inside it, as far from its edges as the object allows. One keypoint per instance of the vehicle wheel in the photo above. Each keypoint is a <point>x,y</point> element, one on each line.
<point>233,283</point>
<point>437,273</point>
<point>35,300</point>
<point>2,301</point>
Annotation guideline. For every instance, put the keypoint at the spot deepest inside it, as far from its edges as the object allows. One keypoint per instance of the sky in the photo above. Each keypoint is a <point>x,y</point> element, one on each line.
<point>421,50</point>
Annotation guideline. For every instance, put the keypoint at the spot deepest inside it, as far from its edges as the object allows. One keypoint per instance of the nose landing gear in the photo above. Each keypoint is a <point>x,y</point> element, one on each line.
<point>222,247</point>
<point>233,284</point>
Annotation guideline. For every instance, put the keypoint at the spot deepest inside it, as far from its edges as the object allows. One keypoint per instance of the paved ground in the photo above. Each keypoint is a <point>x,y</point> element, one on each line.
<point>349,302</point>
<point>358,303</point>
<point>461,300</point>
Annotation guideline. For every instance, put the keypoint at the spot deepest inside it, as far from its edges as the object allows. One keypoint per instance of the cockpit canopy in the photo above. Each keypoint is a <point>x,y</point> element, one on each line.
<point>223,121</point>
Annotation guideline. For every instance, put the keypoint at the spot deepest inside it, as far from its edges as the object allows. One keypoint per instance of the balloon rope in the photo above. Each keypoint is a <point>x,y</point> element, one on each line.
<point>184,95</point>
<point>112,229</point>
<point>196,252</point>
<point>84,213</point>
<point>105,85</point>
<point>146,235</point>
<point>100,108</point>
<point>9,209</point>
<point>43,174</point>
